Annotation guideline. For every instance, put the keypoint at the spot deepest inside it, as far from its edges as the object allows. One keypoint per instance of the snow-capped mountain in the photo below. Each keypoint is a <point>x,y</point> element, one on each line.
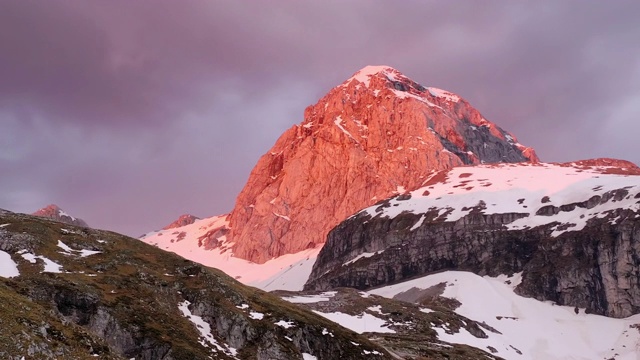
<point>517,259</point>
<point>373,136</point>
<point>54,212</point>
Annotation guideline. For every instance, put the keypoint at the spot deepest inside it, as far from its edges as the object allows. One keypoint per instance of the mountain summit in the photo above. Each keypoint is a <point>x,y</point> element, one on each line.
<point>54,212</point>
<point>377,134</point>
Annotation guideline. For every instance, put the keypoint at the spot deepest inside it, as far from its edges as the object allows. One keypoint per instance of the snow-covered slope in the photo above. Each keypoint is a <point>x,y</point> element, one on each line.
<point>538,330</point>
<point>527,188</point>
<point>204,242</point>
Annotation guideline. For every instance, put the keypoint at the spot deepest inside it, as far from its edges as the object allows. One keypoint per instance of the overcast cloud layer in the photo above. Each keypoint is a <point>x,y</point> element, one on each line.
<point>128,114</point>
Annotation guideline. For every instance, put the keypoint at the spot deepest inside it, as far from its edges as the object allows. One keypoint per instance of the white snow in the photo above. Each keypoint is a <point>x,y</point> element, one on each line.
<point>256,315</point>
<point>62,213</point>
<point>338,122</point>
<point>306,356</point>
<point>518,188</point>
<point>287,272</point>
<point>365,73</point>
<point>50,266</point>
<point>205,329</point>
<point>540,330</point>
<point>310,299</point>
<point>358,323</point>
<point>363,255</point>
<point>72,252</point>
<point>285,324</point>
<point>3,225</point>
<point>443,94</point>
<point>8,267</point>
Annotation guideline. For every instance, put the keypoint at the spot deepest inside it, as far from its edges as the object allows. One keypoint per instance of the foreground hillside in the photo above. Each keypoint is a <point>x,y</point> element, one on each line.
<point>76,293</point>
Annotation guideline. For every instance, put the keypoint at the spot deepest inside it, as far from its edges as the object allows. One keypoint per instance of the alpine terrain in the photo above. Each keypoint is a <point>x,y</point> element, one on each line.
<point>393,222</point>
<point>69,292</point>
<point>377,134</point>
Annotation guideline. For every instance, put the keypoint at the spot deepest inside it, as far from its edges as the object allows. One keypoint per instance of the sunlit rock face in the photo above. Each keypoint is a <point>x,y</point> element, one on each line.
<point>377,134</point>
<point>54,212</point>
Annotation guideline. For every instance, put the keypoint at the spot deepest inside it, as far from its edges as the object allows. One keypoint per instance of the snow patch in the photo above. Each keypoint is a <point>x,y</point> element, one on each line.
<point>205,330</point>
<point>363,255</point>
<point>310,299</point>
<point>539,330</point>
<point>72,252</point>
<point>443,94</point>
<point>256,315</point>
<point>285,324</point>
<point>287,272</point>
<point>50,266</point>
<point>358,323</point>
<point>8,267</point>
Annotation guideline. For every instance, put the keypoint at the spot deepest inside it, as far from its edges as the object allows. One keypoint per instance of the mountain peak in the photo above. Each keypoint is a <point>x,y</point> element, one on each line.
<point>54,212</point>
<point>377,134</point>
<point>363,75</point>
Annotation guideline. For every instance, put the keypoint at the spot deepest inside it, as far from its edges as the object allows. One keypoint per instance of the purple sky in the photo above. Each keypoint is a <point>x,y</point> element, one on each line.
<point>128,114</point>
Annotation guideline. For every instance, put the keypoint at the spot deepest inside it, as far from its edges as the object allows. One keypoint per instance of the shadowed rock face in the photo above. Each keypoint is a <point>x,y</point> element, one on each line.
<point>54,212</point>
<point>596,267</point>
<point>371,137</point>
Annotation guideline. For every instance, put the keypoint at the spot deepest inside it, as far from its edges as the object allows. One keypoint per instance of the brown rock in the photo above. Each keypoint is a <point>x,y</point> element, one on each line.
<point>377,134</point>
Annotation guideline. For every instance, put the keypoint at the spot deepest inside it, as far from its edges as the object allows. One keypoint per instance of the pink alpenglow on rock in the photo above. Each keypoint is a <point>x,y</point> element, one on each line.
<point>54,212</point>
<point>186,219</point>
<point>377,134</point>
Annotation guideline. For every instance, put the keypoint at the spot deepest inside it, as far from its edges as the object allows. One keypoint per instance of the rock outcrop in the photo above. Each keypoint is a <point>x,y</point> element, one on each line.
<point>573,230</point>
<point>55,213</point>
<point>375,135</point>
<point>183,220</point>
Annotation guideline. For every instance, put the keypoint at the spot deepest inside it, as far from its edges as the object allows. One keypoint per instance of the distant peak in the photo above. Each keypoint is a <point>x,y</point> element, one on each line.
<point>376,69</point>
<point>51,207</point>
<point>183,220</point>
<point>400,84</point>
<point>54,212</point>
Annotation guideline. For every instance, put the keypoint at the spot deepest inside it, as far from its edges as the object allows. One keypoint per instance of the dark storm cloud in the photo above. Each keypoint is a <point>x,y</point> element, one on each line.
<point>130,113</point>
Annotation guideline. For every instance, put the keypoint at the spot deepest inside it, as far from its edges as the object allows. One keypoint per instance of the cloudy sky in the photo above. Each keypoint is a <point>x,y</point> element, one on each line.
<point>128,114</point>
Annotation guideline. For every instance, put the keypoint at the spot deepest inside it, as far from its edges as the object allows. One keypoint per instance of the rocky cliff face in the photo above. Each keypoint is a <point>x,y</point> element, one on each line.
<point>54,212</point>
<point>375,135</point>
<point>68,292</point>
<point>573,230</point>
